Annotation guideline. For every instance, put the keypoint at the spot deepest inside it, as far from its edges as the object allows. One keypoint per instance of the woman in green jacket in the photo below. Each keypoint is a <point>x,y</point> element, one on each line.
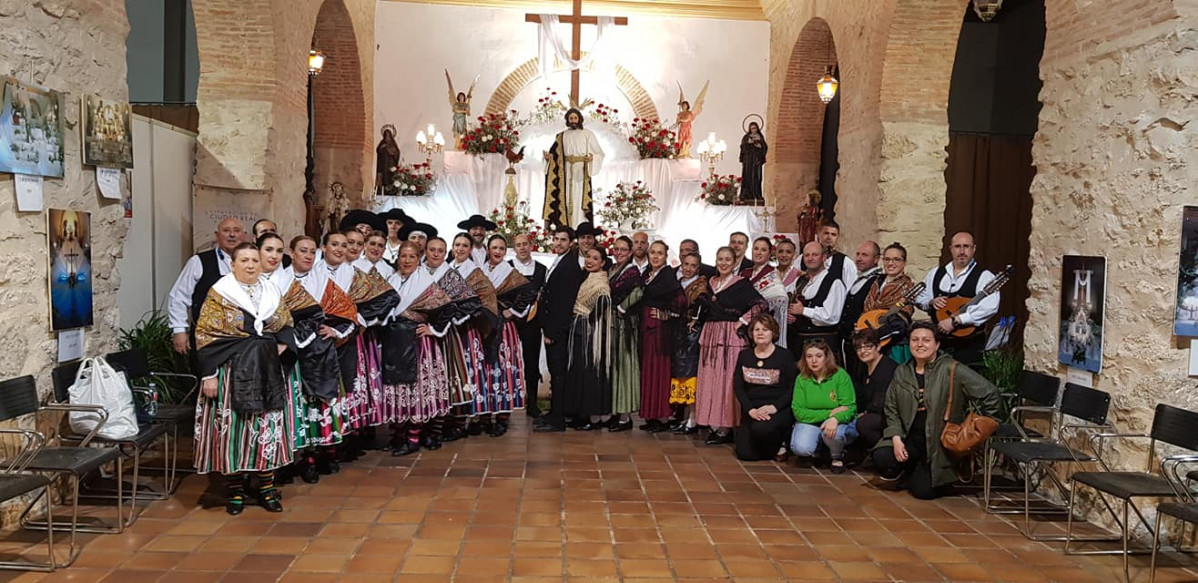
<point>824,405</point>
<point>910,449</point>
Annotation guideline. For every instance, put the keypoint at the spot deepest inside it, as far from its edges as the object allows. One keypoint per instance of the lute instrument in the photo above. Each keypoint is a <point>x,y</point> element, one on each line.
<point>955,306</point>
<point>875,318</point>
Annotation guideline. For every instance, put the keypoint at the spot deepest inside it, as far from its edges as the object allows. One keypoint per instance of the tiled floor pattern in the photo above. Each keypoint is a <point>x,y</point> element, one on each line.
<point>578,507</point>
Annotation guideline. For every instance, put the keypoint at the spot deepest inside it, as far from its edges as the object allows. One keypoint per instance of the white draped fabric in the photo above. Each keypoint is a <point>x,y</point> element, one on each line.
<point>550,45</point>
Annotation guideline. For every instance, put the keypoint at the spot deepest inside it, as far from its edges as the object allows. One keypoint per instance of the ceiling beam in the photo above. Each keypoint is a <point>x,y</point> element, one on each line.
<point>722,9</point>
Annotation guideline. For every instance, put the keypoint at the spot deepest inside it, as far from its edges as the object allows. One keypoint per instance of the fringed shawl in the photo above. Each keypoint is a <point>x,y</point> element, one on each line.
<point>373,295</point>
<point>592,308</point>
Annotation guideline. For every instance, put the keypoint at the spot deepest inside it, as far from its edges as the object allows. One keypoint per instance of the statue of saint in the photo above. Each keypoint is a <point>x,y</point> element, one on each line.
<point>460,102</point>
<point>686,119</point>
<point>810,217</point>
<point>388,159</point>
<point>570,163</point>
<point>752,159</point>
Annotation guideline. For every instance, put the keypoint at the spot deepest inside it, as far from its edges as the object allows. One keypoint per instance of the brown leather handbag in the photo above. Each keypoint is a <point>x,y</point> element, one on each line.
<point>960,440</point>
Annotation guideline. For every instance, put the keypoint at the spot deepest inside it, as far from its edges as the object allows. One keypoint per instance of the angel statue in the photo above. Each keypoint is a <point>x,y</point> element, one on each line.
<point>686,118</point>
<point>460,102</point>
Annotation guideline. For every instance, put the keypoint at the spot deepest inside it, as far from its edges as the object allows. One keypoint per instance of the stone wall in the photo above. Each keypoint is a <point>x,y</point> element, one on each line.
<point>1114,156</point>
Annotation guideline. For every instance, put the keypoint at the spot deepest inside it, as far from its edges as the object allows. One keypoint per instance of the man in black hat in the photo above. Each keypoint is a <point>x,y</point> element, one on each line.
<point>477,226</point>
<point>418,233</point>
<point>362,221</point>
<point>556,312</point>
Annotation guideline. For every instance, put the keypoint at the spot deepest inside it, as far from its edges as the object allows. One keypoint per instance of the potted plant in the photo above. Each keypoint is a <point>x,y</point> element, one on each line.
<point>152,334</point>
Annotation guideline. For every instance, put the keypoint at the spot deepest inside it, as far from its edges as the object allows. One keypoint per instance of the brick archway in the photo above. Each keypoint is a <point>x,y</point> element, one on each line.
<point>339,104</point>
<point>798,133</point>
<point>521,77</point>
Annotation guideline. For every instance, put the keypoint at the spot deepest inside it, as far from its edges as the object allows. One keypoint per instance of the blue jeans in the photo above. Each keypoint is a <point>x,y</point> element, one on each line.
<point>806,439</point>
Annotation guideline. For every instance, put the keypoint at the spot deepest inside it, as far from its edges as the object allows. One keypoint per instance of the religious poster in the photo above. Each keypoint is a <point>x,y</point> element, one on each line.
<point>69,232</point>
<point>1185,318</point>
<point>107,132</point>
<point>1083,293</point>
<point>30,130</point>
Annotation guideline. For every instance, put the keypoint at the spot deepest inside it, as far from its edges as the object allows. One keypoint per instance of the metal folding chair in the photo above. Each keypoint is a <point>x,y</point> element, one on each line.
<point>1184,510</point>
<point>15,482</point>
<point>1170,425</point>
<point>1090,406</point>
<point>136,366</point>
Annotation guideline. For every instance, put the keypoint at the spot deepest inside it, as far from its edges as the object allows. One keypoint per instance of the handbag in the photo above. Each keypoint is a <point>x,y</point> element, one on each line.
<point>97,383</point>
<point>959,440</point>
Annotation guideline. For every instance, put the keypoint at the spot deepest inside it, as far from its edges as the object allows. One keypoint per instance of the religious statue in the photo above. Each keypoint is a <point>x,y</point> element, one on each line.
<point>460,102</point>
<point>573,159</point>
<point>752,159</point>
<point>810,217</point>
<point>388,160</point>
<point>686,118</point>
<point>338,206</point>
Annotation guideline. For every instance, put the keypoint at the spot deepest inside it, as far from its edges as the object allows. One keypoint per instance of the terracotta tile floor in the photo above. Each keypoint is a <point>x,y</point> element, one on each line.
<point>579,507</point>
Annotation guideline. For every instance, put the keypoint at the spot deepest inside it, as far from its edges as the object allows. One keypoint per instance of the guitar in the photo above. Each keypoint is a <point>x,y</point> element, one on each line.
<point>874,318</point>
<point>955,306</point>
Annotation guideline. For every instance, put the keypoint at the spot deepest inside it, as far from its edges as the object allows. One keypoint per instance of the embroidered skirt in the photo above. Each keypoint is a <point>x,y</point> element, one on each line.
<point>228,442</point>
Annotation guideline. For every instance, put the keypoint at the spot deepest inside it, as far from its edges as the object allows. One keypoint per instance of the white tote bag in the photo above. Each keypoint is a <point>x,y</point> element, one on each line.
<point>97,383</point>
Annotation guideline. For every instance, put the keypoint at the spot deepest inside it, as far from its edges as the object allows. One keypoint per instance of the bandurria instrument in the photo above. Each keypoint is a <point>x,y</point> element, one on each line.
<point>955,306</point>
<point>875,318</point>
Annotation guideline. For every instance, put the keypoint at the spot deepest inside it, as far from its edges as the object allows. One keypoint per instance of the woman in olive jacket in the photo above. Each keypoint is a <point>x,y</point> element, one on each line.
<point>910,449</point>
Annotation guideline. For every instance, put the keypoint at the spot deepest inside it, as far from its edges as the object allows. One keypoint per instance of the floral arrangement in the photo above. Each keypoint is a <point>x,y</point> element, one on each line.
<point>606,239</point>
<point>514,220</point>
<point>720,190</point>
<point>652,139</point>
<point>549,108</point>
<point>494,134</point>
<point>629,203</point>
<point>605,114</point>
<point>415,179</point>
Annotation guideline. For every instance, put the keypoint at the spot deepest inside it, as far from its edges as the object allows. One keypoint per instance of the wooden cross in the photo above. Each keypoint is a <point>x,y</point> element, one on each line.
<point>576,20</point>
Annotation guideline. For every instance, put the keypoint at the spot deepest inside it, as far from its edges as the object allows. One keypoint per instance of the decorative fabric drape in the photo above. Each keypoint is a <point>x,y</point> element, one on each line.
<point>550,45</point>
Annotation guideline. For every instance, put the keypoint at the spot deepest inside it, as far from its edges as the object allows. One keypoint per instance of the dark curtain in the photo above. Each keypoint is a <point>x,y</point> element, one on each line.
<point>829,156</point>
<point>989,181</point>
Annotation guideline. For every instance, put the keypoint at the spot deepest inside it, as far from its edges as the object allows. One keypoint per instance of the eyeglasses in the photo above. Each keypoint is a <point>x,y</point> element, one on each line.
<point>865,347</point>
<point>893,260</point>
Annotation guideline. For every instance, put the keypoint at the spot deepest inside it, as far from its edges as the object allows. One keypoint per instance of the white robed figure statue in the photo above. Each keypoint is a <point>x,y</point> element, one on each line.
<point>570,163</point>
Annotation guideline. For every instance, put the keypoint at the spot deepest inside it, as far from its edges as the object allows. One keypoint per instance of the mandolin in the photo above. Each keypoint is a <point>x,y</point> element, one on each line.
<point>957,305</point>
<point>874,318</point>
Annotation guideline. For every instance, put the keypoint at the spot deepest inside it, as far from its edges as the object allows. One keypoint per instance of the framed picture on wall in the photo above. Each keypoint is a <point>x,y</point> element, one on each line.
<point>1185,316</point>
<point>1083,298</point>
<point>107,132</point>
<point>30,130</point>
<point>69,232</point>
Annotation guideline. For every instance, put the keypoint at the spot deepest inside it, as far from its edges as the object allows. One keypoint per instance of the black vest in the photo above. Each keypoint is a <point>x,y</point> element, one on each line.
<point>804,324</point>
<point>837,265</point>
<point>208,278</point>
<point>968,289</point>
<point>854,304</point>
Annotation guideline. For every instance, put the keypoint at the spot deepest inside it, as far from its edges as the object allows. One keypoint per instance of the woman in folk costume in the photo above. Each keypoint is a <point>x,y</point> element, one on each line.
<point>515,295</point>
<point>372,256</point>
<point>685,365</point>
<point>767,281</point>
<point>245,341</point>
<point>662,297</point>
<point>414,389</point>
<point>451,427</point>
<point>315,380</point>
<point>479,334</point>
<point>729,304</point>
<point>626,290</point>
<point>375,298</point>
<point>589,369</point>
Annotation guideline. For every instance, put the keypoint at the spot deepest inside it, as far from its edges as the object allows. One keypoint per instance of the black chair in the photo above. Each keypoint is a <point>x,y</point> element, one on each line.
<point>1170,425</point>
<point>1037,394</point>
<point>18,398</point>
<point>1090,407</point>
<point>63,377</point>
<point>1184,510</point>
<point>14,481</point>
<point>136,366</point>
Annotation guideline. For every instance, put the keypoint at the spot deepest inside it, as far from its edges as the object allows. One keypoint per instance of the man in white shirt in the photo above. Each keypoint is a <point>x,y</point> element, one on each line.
<point>819,300</point>
<point>866,264</point>
<point>836,262</point>
<point>556,312</point>
<point>640,251</point>
<point>739,243</point>
<point>963,277</point>
<point>198,275</point>
<point>529,327</point>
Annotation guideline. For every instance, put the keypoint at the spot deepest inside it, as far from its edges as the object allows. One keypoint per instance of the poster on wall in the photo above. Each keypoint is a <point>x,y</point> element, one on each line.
<point>70,268</point>
<point>107,132</point>
<point>1185,316</point>
<point>1083,295</point>
<point>30,130</point>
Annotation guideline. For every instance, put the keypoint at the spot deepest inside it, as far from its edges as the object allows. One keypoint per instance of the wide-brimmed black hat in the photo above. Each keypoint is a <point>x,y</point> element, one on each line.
<point>586,228</point>
<point>397,214</point>
<point>358,216</point>
<point>477,221</point>
<point>409,228</point>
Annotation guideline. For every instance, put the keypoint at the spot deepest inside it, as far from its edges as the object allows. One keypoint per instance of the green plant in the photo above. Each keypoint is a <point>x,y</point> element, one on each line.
<point>152,334</point>
<point>1004,366</point>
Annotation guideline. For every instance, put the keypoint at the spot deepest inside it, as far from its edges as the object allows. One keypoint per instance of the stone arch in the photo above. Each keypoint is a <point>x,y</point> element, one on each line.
<point>521,77</point>
<point>340,116</point>
<point>795,151</point>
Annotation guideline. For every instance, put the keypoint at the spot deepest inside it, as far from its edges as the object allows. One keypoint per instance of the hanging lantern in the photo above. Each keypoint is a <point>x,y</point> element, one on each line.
<point>315,62</point>
<point>827,86</point>
<point>987,9</point>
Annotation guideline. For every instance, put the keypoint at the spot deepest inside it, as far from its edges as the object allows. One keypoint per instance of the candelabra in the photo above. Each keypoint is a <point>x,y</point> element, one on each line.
<point>711,151</point>
<point>430,141</point>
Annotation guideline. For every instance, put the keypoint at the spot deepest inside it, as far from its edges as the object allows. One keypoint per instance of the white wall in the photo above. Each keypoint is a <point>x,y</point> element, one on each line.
<point>159,239</point>
<point>416,42</point>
